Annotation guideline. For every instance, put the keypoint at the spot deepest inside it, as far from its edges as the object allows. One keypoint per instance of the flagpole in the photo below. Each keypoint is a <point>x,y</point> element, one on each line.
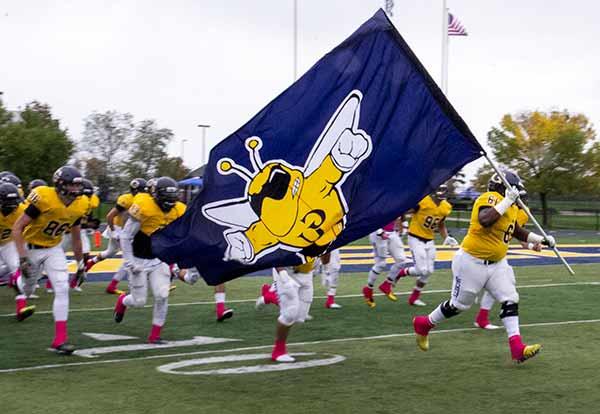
<point>444,48</point>
<point>295,40</point>
<point>526,210</point>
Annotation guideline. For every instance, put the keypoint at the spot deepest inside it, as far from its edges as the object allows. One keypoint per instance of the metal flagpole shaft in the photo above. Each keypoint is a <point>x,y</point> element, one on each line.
<point>444,48</point>
<point>295,40</point>
<point>526,210</point>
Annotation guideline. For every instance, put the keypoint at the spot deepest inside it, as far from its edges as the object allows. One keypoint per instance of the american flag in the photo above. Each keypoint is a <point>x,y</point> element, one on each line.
<point>455,27</point>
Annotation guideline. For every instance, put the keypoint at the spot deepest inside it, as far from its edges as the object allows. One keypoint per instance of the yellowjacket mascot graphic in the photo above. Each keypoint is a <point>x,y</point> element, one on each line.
<point>298,209</point>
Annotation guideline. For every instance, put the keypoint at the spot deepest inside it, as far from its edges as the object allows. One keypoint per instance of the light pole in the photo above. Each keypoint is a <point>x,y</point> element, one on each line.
<point>183,141</point>
<point>204,128</point>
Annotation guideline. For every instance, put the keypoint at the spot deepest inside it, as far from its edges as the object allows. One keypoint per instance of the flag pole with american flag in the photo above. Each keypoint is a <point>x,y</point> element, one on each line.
<point>451,26</point>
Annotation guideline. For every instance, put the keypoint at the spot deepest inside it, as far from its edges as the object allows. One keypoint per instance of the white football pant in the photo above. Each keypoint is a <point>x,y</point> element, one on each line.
<point>423,254</point>
<point>382,249</point>
<point>295,292</point>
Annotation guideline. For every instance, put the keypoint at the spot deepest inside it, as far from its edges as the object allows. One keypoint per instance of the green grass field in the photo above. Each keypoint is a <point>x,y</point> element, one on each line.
<point>466,370</point>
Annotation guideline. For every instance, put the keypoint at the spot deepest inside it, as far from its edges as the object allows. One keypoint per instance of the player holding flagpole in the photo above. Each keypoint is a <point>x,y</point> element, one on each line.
<point>37,233</point>
<point>481,263</point>
<point>428,216</point>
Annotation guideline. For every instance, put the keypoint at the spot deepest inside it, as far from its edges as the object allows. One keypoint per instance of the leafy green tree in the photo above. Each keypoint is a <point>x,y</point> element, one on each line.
<point>34,145</point>
<point>172,167</point>
<point>107,137</point>
<point>549,150</point>
<point>148,149</point>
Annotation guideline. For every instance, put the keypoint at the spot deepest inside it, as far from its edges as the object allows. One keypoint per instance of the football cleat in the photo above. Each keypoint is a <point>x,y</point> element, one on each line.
<point>64,349</point>
<point>417,302</point>
<point>386,288</point>
<point>157,341</point>
<point>260,303</point>
<point>78,289</point>
<point>333,306</point>
<point>422,326</point>
<point>119,312</point>
<point>368,295</point>
<point>486,325</point>
<point>25,312</point>
<point>115,291</point>
<point>33,296</point>
<point>89,263</point>
<point>529,352</point>
<point>226,314</point>
<point>283,358</point>
<point>309,317</point>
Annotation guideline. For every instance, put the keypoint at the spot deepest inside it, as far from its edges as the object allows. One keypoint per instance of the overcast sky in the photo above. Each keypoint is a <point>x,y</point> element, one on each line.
<point>218,62</point>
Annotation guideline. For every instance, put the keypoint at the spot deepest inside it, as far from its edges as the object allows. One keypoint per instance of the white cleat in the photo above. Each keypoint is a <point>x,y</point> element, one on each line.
<point>335,306</point>
<point>33,296</point>
<point>285,358</point>
<point>489,326</point>
<point>260,303</point>
<point>418,302</point>
<point>77,289</point>
<point>49,290</point>
<point>309,318</point>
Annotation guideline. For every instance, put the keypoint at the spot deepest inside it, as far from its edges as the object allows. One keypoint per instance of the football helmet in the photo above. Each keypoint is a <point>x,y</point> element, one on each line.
<point>38,182</point>
<point>138,185</point>
<point>9,197</point>
<point>165,192</point>
<point>496,184</point>
<point>68,181</point>
<point>11,178</point>
<point>87,187</point>
<point>441,192</point>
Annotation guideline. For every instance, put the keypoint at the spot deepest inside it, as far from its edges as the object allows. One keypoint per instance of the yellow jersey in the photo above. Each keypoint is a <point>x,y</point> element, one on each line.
<point>6,223</point>
<point>522,218</point>
<point>490,243</point>
<point>429,215</point>
<point>51,218</point>
<point>123,203</point>
<point>145,210</point>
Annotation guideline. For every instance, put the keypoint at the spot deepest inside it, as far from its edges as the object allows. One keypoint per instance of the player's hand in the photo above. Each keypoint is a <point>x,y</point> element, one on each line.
<point>450,241</point>
<point>404,228</point>
<point>382,234</point>
<point>512,193</point>
<point>549,241</point>
<point>26,267</point>
<point>536,247</point>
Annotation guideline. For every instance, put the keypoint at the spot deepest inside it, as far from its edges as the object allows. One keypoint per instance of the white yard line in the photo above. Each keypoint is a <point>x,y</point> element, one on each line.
<point>252,348</point>
<point>316,297</point>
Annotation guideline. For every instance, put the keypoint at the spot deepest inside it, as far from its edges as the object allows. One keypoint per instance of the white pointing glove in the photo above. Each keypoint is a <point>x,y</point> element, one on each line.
<point>450,241</point>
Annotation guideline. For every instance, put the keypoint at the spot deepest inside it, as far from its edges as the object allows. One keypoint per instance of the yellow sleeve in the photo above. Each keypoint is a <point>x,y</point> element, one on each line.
<point>136,211</point>
<point>36,198</point>
<point>95,201</point>
<point>125,201</point>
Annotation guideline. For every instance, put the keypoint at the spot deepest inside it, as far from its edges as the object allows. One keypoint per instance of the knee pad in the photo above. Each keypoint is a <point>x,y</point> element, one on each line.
<point>449,310</point>
<point>509,309</point>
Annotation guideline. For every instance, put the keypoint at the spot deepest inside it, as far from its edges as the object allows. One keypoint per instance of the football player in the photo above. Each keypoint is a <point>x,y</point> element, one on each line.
<point>11,209</point>
<point>38,182</point>
<point>37,233</point>
<point>88,224</point>
<point>147,214</point>
<point>295,294</point>
<point>481,262</point>
<point>386,242</point>
<point>428,216</point>
<point>487,301</point>
<point>115,219</point>
<point>331,264</point>
<point>9,177</point>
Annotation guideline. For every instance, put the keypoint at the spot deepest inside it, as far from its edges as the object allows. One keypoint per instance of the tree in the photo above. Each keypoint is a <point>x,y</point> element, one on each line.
<point>172,167</point>
<point>148,149</point>
<point>107,137</point>
<point>550,151</point>
<point>35,145</point>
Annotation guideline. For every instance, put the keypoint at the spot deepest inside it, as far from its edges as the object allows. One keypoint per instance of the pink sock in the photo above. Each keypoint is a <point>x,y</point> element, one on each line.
<point>73,283</point>
<point>483,317</point>
<point>516,346</point>
<point>48,284</point>
<point>112,285</point>
<point>279,349</point>
<point>402,272</point>
<point>60,333</point>
<point>154,332</point>
<point>220,308</point>
<point>330,300</point>
<point>414,296</point>
<point>21,303</point>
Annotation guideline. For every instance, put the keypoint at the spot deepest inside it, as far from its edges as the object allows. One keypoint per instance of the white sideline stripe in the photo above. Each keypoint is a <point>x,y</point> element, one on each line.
<point>252,348</point>
<point>316,297</point>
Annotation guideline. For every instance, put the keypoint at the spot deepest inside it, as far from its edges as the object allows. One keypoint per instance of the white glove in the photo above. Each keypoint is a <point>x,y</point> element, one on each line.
<point>239,248</point>
<point>549,241</point>
<point>512,194</point>
<point>404,231</point>
<point>450,241</point>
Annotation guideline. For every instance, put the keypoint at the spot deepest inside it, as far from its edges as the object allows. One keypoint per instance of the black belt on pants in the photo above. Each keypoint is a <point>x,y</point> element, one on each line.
<point>423,239</point>
<point>36,246</point>
<point>489,262</point>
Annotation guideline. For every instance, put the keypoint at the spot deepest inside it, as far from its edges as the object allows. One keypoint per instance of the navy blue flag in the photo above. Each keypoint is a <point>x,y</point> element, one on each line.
<point>359,139</point>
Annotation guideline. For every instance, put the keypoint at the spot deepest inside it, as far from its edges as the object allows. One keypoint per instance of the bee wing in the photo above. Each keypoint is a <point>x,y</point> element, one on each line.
<point>232,213</point>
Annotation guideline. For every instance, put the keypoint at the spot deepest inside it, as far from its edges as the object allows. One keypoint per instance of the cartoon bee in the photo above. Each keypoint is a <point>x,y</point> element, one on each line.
<point>298,209</point>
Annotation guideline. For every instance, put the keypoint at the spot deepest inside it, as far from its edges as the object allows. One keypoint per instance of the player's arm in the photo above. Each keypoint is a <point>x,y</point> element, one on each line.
<point>448,239</point>
<point>127,235</point>
<point>17,234</point>
<point>531,237</point>
<point>76,241</point>
<point>112,214</point>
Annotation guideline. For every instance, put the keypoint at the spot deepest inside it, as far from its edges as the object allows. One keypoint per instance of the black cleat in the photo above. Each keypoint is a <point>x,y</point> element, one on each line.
<point>64,349</point>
